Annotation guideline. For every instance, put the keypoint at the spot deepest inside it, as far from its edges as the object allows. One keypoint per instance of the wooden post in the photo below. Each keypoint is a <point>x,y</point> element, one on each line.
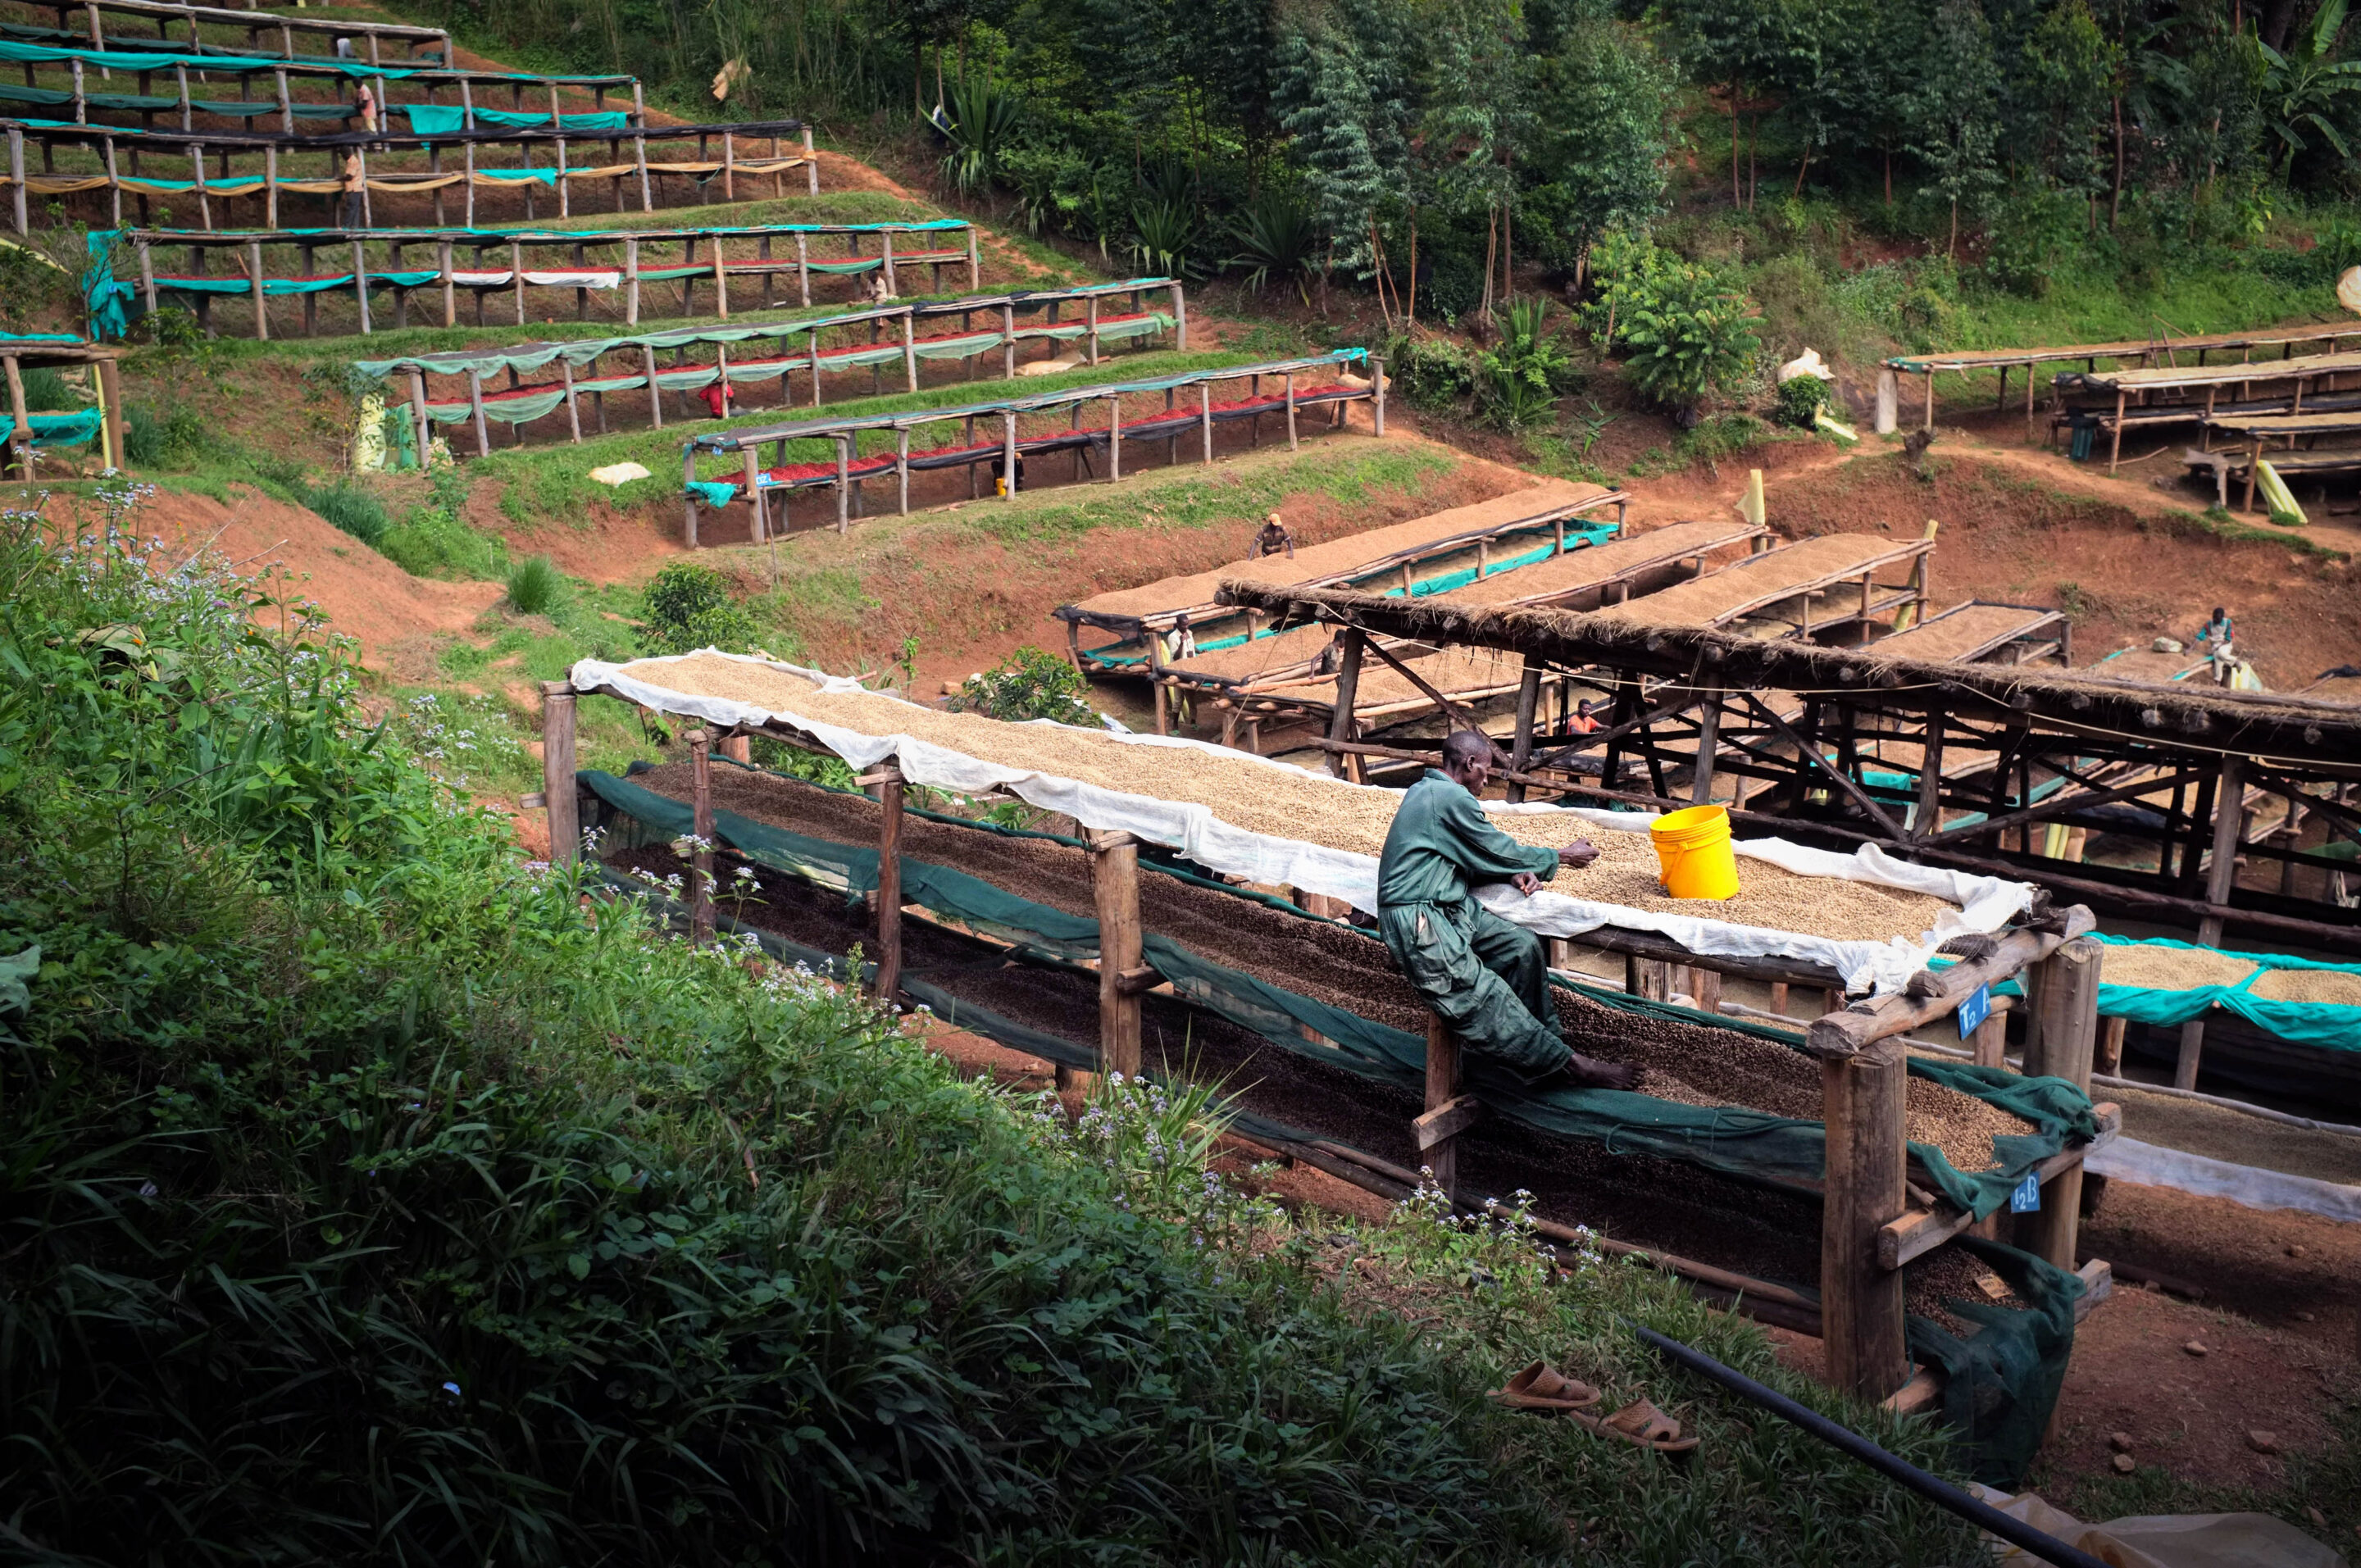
<point>1008,457</point>
<point>1114,890</point>
<point>476,405</point>
<point>16,181</point>
<point>811,165</point>
<point>1927,820</point>
<point>1529,694</point>
<point>418,417</point>
<point>655,394</point>
<point>889,884</point>
<point>1377,419</point>
<point>254,276</point>
<point>909,351</point>
<point>1441,1157</point>
<point>1290,410</point>
<point>1861,1303</point>
<point>758,521</point>
<point>843,483</point>
<point>901,471</point>
<point>1180,320</point>
<point>2220,877</point>
<point>974,262</point>
<point>1708,739</point>
<point>2109,1059</point>
<point>1114,439</point>
<point>360,286</point>
<point>700,853</point>
<point>2060,1043</point>
<point>885,264</point>
<point>1205,416</point>
<point>1348,686</point>
<point>557,701</point>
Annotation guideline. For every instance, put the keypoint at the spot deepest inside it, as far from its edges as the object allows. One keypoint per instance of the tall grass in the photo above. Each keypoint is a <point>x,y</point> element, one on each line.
<point>536,586</point>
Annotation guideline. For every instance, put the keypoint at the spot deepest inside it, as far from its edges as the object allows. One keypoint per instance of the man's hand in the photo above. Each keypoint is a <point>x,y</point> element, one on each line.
<point>1578,854</point>
<point>1526,883</point>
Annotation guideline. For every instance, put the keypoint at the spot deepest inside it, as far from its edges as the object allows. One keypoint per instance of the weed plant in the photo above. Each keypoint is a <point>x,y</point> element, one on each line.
<point>536,586</point>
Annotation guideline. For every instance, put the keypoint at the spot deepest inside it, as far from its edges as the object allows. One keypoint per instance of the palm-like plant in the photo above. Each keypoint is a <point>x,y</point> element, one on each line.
<point>2302,87</point>
<point>1164,232</point>
<point>1278,240</point>
<point>982,125</point>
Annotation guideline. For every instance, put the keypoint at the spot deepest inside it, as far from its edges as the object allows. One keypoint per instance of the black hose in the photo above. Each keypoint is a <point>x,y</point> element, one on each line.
<point>1933,1488</point>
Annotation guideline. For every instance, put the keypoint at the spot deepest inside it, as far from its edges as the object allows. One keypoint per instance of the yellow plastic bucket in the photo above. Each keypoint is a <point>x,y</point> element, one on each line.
<point>1693,852</point>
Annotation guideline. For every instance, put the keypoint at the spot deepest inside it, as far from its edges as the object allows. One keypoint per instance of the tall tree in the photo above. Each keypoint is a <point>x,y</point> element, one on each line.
<point>1345,86</point>
<point>1746,49</point>
<point>1956,111</point>
<point>1601,98</point>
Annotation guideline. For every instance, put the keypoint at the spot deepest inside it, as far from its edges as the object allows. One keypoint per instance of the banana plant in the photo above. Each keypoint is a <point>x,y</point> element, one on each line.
<point>2301,87</point>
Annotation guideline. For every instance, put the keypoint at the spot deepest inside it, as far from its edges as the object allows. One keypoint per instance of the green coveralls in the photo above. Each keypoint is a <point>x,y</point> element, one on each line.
<point>1487,977</point>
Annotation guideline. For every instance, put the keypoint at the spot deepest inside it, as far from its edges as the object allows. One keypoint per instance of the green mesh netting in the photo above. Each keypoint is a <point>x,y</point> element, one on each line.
<point>1750,1145</point>
<point>2001,1379</point>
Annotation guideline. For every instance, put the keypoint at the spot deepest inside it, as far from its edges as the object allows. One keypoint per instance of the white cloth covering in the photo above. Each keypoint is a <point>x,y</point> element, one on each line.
<point>1985,903</point>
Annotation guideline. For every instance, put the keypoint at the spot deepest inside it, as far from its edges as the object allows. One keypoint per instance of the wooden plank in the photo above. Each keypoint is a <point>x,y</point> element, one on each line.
<point>1446,1121</point>
<point>1348,686</point>
<point>1921,1230</point>
<point>1937,993</point>
<point>2221,876</point>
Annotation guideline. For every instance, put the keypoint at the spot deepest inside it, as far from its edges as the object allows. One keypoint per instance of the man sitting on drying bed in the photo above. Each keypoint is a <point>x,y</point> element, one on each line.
<point>1487,977</point>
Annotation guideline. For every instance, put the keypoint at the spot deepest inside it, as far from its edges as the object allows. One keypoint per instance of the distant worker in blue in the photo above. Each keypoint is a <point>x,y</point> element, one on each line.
<point>1488,977</point>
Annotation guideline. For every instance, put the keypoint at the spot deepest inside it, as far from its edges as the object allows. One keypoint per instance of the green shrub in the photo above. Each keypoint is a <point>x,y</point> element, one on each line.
<point>690,607</point>
<point>1523,374</point>
<point>1688,335</point>
<point>46,393</point>
<point>535,587</point>
<point>351,508</point>
<point>1801,398</point>
<point>1432,372</point>
<point>1028,683</point>
<point>143,438</point>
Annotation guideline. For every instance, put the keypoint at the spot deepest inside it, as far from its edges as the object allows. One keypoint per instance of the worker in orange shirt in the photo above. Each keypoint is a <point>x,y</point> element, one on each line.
<point>716,397</point>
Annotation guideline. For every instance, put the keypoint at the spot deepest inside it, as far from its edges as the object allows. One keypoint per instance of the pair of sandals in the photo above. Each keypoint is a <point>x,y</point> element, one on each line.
<point>1540,1387</point>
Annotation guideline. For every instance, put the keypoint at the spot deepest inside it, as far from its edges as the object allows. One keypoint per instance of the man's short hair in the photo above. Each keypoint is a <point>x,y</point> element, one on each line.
<point>1462,747</point>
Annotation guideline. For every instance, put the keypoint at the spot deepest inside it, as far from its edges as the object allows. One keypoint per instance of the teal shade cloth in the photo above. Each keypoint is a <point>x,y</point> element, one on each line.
<point>2333,1025</point>
<point>444,119</point>
<point>242,65</point>
<point>65,429</point>
<point>714,494</point>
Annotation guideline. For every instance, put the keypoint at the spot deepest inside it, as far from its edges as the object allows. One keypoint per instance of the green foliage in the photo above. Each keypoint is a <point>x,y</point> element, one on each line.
<point>1278,242</point>
<point>1165,236</point>
<point>985,118</point>
<point>1801,398</point>
<point>689,606</point>
<point>1603,97</point>
<point>2304,88</point>
<point>352,509</point>
<point>1432,372</point>
<point>1028,683</point>
<point>46,393</point>
<point>536,586</point>
<point>1683,331</point>
<point>2036,228</point>
<point>434,539</point>
<point>1524,374</point>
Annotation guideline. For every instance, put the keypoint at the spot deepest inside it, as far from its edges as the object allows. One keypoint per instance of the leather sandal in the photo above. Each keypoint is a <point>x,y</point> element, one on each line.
<point>1541,1387</point>
<point>1641,1424</point>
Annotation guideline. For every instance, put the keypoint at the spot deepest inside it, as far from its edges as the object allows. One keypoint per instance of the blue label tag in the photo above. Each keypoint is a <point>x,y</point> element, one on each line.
<point>1974,1010</point>
<point>2027,1197</point>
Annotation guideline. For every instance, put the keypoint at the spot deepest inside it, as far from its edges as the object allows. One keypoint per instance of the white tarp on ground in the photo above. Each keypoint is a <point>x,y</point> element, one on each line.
<point>2152,1166</point>
<point>1986,903</point>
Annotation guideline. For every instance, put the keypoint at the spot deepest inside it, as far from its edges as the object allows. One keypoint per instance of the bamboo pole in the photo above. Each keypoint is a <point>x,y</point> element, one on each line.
<point>1115,890</point>
<point>1008,457</point>
<point>902,470</point>
<point>886,238</point>
<point>557,700</point>
<point>909,350</point>
<point>110,400</point>
<point>1290,410</point>
<point>1114,440</point>
<point>974,262</point>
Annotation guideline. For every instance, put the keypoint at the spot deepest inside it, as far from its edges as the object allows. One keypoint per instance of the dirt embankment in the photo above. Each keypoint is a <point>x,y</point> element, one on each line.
<point>366,597</point>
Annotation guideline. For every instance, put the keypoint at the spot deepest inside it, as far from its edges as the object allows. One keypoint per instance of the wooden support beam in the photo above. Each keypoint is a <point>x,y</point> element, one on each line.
<point>1115,890</point>
<point>2062,1034</point>
<point>2221,876</point>
<point>557,773</point>
<point>1442,1094</point>
<point>1447,1122</point>
<point>889,791</point>
<point>1937,993</point>
<point>1521,746</point>
<point>1348,686</point>
<point>700,853</point>
<point>1861,1302</point>
<point>1921,1230</point>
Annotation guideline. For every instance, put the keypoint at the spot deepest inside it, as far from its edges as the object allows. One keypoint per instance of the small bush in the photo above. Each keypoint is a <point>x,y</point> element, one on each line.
<point>1800,399</point>
<point>143,438</point>
<point>1029,684</point>
<point>431,542</point>
<point>1683,332</point>
<point>535,587</point>
<point>46,393</point>
<point>1432,372</point>
<point>351,508</point>
<point>691,607</point>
